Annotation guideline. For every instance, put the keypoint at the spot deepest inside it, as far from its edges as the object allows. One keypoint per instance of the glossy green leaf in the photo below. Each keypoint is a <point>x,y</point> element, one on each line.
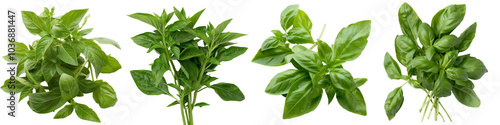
<point>68,86</point>
<point>409,21</point>
<point>342,79</point>
<point>449,58</point>
<point>159,67</point>
<point>33,23</point>
<point>405,48</point>
<point>445,43</point>
<point>466,96</point>
<point>228,92</point>
<point>145,39</point>
<point>392,67</point>
<point>60,31</point>
<point>288,16</point>
<point>72,18</point>
<point>360,81</point>
<point>325,52</point>
<point>421,63</point>
<point>105,95</point>
<point>442,87</point>
<point>232,52</point>
<point>272,57</point>
<point>302,20</point>
<point>190,53</point>
<point>474,68</point>
<point>87,86</point>
<point>45,102</point>
<point>352,100</point>
<point>145,81</point>
<point>281,82</point>
<point>112,66</point>
<point>64,112</point>
<point>447,19</point>
<point>86,113</point>
<point>308,60</point>
<point>394,102</point>
<point>456,74</point>
<point>95,56</point>
<point>67,54</point>
<point>299,35</point>
<point>301,99</point>
<point>43,45</point>
<point>149,19</point>
<point>466,37</point>
<point>270,43</point>
<point>201,104</point>
<point>426,35</point>
<point>351,40</point>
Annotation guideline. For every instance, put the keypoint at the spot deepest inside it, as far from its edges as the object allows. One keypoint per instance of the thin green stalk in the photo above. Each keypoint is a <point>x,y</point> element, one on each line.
<point>423,104</point>
<point>320,35</point>
<point>91,71</point>
<point>436,111</point>
<point>182,109</point>
<point>445,111</point>
<point>425,111</point>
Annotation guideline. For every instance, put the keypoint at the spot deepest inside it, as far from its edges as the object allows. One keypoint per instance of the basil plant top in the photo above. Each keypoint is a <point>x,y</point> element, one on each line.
<point>198,51</point>
<point>54,69</point>
<point>435,67</point>
<point>316,72</point>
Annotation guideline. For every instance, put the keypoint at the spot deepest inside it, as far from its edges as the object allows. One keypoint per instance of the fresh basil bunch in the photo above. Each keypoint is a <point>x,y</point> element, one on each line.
<point>316,72</point>
<point>180,41</point>
<point>438,68</point>
<point>56,60</point>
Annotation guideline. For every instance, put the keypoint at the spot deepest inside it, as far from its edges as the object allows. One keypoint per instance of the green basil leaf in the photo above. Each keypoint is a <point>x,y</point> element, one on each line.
<point>299,35</point>
<point>449,58</point>
<point>474,68</point>
<point>159,67</point>
<point>405,49</point>
<point>394,102</point>
<point>271,43</point>
<point>445,43</point>
<point>60,31</point>
<point>308,60</point>
<point>182,36</point>
<point>112,66</point>
<point>68,86</point>
<point>85,32</point>
<point>43,45</point>
<point>145,39</point>
<point>456,74</point>
<point>193,19</point>
<point>442,87</point>
<point>67,54</point>
<point>72,18</point>
<point>232,52</point>
<point>360,81</point>
<point>201,104</point>
<point>95,55</point>
<point>33,23</point>
<point>87,86</point>
<point>392,67</point>
<point>426,35</point>
<point>325,52</point>
<point>48,69</point>
<point>302,20</point>
<point>228,92</point>
<point>466,37</point>
<point>330,93</point>
<point>222,26</point>
<point>351,40</point>
<point>409,21</point>
<point>288,16</point>
<point>149,19</point>
<point>64,112</point>
<point>105,95</point>
<point>190,53</point>
<point>272,57</point>
<point>429,52</point>
<point>466,96</point>
<point>281,82</point>
<point>352,101</point>
<point>46,102</point>
<point>342,79</point>
<point>301,99</point>
<point>447,19</point>
<point>421,63</point>
<point>145,81</point>
<point>86,113</point>
<point>177,25</point>
<point>103,40</point>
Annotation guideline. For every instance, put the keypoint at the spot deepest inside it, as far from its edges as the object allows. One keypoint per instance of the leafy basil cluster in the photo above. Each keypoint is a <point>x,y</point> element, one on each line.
<point>180,41</point>
<point>56,59</point>
<point>315,71</point>
<point>438,68</point>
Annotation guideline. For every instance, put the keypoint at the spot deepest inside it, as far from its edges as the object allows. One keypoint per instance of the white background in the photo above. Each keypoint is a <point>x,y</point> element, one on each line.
<point>257,18</point>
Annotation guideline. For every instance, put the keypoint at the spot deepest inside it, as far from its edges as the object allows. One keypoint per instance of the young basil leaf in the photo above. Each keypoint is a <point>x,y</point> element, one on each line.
<point>228,92</point>
<point>447,19</point>
<point>302,20</point>
<point>64,112</point>
<point>73,18</point>
<point>466,96</point>
<point>270,43</point>
<point>429,52</point>
<point>68,86</point>
<point>449,58</point>
<point>352,101</point>
<point>392,67</point>
<point>201,104</point>
<point>360,81</point>
<point>474,67</point>
<point>421,63</point>
<point>272,57</point>
<point>330,93</point>
<point>190,53</point>
<point>281,82</point>
<point>45,102</point>
<point>60,31</point>
<point>112,66</point>
<point>405,49</point>
<point>103,40</point>
<point>394,102</point>
<point>145,39</point>
<point>442,87</point>
<point>325,52</point>
<point>232,52</point>
<point>409,21</point>
<point>308,60</point>
<point>87,86</point>
<point>299,35</point>
<point>67,54</point>
<point>222,26</point>
<point>456,74</point>
<point>86,113</point>
<point>351,40</point>
<point>159,67</point>
<point>288,16</point>
<point>466,37</point>
<point>145,81</point>
<point>301,99</point>
<point>84,32</point>
<point>426,35</point>
<point>33,23</point>
<point>149,19</point>
<point>445,43</point>
<point>342,79</point>
<point>43,45</point>
<point>95,55</point>
<point>105,95</point>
